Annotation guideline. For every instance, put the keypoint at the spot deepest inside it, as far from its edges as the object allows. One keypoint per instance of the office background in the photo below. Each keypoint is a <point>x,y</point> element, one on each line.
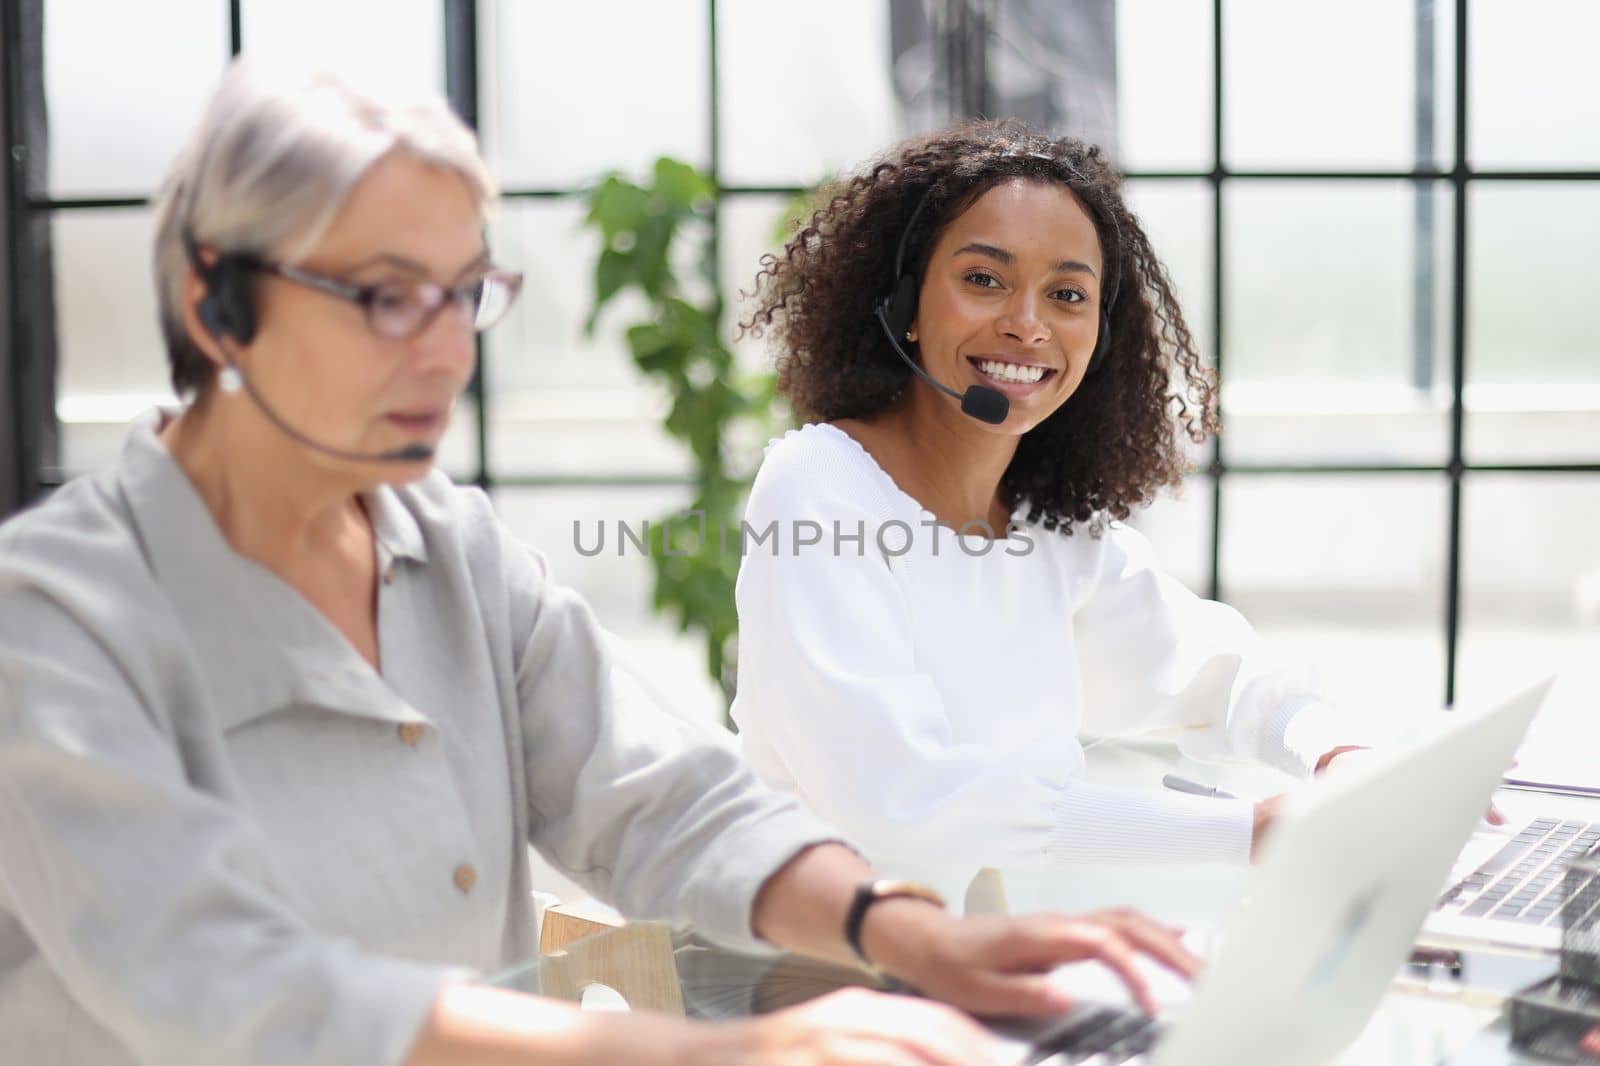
<point>1381,216</point>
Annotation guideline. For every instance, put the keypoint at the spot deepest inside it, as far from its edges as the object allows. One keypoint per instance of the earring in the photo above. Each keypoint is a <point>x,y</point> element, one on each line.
<point>909,337</point>
<point>228,379</point>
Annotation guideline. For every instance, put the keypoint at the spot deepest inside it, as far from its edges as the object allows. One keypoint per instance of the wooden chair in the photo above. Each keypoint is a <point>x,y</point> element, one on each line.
<point>986,894</point>
<point>633,960</point>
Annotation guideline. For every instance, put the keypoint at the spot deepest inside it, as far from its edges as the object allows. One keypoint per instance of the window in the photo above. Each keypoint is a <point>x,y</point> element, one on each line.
<point>1384,257</point>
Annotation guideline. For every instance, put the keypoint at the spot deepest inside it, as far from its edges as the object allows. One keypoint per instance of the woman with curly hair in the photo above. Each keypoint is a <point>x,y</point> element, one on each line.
<point>992,373</point>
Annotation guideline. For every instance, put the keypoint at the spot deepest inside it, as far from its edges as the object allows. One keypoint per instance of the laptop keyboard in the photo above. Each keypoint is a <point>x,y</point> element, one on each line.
<point>1525,881</point>
<point>1096,1036</point>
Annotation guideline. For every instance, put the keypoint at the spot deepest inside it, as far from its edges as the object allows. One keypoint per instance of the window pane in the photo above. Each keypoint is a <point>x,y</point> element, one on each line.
<point>1313,86</point>
<point>1530,574</point>
<point>112,363</point>
<point>617,586</point>
<point>1335,349</point>
<point>560,401</point>
<point>457,455</point>
<point>573,90</point>
<point>1533,365</point>
<point>1533,75</point>
<point>750,229</point>
<point>1530,606</point>
<point>1164,85</point>
<point>793,114</point>
<point>1049,64</point>
<point>1176,216</point>
<point>381,44</point>
<point>116,135</point>
<point>1345,573</point>
<point>1179,527</point>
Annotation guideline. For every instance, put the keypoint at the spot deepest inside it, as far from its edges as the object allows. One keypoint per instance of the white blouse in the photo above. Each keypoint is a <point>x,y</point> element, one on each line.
<point>925,691</point>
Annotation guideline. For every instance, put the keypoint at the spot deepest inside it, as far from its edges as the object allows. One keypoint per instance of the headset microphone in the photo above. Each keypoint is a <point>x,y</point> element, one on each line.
<point>895,314</point>
<point>979,401</point>
<point>411,453</point>
<point>227,311</point>
<point>233,375</point>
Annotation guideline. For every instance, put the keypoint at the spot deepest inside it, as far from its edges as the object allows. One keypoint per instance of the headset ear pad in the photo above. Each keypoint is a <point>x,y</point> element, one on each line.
<point>1102,343</point>
<point>900,309</point>
<point>227,309</point>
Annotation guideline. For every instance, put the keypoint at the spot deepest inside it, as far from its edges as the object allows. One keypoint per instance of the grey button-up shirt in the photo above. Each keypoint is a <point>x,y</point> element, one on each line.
<point>224,838</point>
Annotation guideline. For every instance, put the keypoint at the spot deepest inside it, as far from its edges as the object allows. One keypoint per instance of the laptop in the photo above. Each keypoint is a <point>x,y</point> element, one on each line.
<point>1517,896</point>
<point>1520,896</point>
<point>1329,914</point>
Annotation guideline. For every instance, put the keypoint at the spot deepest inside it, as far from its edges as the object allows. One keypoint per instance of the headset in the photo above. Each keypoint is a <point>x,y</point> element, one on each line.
<point>228,313</point>
<point>227,309</point>
<point>897,310</point>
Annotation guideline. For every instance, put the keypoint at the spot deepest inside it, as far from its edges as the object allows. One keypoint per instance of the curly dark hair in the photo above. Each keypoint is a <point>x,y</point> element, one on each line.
<point>1105,452</point>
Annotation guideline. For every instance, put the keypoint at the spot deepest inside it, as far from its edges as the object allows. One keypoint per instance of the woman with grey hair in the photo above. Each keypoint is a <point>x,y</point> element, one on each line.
<point>281,708</point>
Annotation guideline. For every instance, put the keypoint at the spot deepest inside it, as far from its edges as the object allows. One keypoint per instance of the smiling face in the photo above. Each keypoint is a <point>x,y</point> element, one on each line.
<point>1010,299</point>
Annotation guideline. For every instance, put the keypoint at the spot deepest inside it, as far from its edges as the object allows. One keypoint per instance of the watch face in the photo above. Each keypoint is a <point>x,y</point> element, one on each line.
<point>889,889</point>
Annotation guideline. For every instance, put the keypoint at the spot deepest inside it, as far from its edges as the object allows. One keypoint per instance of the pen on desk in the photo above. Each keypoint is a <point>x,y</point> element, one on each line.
<point>1183,784</point>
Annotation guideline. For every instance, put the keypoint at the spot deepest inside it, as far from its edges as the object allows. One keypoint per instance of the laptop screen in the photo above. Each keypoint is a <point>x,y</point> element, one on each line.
<point>1559,751</point>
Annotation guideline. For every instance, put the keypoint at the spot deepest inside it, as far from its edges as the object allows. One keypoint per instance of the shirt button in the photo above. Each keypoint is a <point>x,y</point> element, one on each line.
<point>410,732</point>
<point>465,877</point>
<point>388,574</point>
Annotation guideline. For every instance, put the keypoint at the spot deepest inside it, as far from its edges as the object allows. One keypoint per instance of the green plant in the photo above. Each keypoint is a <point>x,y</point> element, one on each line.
<point>680,344</point>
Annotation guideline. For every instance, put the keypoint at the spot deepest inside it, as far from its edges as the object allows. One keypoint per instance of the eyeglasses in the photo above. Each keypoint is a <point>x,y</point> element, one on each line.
<point>402,310</point>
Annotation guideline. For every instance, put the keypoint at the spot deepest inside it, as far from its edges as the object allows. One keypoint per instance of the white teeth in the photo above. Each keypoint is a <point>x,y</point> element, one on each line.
<point>1023,375</point>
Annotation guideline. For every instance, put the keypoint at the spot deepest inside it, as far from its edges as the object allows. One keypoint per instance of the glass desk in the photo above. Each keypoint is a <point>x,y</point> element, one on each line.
<point>1433,1018</point>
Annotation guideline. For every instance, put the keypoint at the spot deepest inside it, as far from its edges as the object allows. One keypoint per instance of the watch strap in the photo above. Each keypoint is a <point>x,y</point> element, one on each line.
<point>870,892</point>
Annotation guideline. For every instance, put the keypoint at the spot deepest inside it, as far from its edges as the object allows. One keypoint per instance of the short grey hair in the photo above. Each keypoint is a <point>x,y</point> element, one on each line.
<point>268,168</point>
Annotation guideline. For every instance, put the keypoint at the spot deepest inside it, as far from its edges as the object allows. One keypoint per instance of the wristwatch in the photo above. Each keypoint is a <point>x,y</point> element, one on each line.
<point>871,892</point>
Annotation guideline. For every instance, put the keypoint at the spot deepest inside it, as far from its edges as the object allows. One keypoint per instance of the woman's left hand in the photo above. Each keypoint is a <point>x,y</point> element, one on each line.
<point>997,965</point>
<point>1493,816</point>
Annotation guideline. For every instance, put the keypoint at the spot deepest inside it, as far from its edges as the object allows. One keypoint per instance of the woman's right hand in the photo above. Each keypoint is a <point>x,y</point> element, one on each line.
<point>854,1027</point>
<point>487,1026</point>
<point>1266,815</point>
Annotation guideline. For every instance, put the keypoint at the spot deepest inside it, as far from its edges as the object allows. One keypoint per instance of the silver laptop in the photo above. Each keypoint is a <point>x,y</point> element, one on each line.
<point>1520,896</point>
<point>1328,916</point>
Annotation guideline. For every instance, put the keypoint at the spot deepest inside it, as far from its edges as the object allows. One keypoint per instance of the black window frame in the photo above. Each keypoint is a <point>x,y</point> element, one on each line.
<point>27,358</point>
